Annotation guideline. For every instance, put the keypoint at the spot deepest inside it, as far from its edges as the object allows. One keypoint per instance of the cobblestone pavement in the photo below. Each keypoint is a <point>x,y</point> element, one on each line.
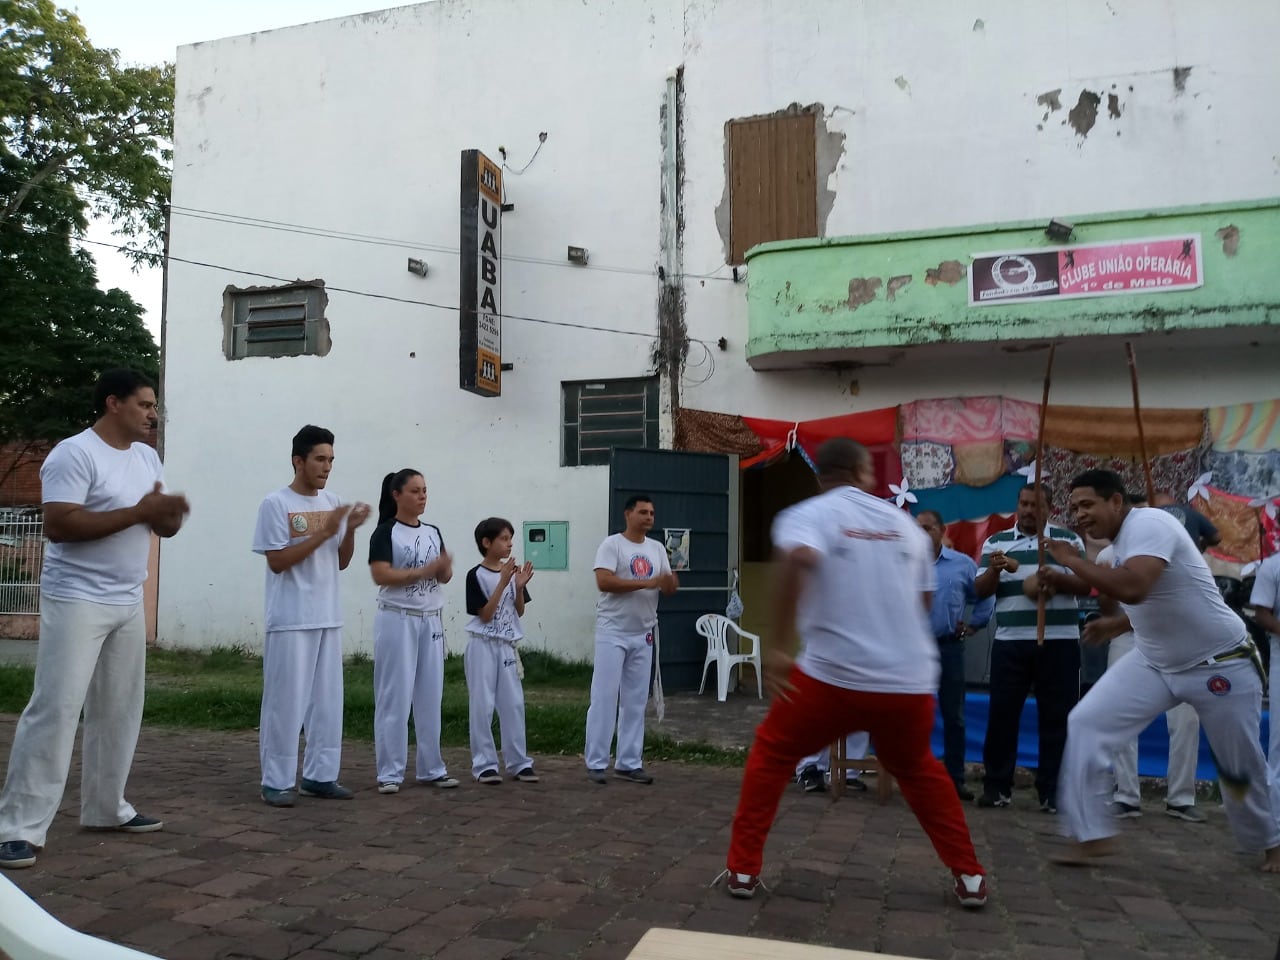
<point>565,868</point>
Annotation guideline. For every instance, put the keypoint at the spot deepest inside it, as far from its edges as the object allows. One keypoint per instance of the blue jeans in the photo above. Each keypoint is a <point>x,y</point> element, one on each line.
<point>951,706</point>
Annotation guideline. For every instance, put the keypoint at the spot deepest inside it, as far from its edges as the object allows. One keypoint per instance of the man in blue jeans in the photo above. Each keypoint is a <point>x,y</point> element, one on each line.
<point>956,575</point>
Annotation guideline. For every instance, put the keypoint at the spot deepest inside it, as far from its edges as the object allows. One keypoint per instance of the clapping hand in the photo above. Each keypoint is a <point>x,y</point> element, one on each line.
<point>524,574</point>
<point>359,514</point>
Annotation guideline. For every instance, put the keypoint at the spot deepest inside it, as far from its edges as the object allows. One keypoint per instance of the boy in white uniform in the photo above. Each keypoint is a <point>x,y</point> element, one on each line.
<point>631,570</point>
<point>102,501</point>
<point>1265,601</point>
<point>496,596</point>
<point>306,534</point>
<point>1189,647</point>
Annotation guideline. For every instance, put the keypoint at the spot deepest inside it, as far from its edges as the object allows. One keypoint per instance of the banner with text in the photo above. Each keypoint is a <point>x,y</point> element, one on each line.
<point>480,271</point>
<point>1116,267</point>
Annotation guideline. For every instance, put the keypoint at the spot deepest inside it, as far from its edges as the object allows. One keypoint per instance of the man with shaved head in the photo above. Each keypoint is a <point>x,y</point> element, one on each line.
<point>854,576</point>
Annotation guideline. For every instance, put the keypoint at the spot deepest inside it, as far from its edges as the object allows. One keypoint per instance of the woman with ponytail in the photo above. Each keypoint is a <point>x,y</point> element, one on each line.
<point>408,562</point>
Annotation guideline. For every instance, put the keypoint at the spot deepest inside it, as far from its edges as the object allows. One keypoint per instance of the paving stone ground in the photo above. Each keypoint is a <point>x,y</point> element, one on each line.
<point>568,869</point>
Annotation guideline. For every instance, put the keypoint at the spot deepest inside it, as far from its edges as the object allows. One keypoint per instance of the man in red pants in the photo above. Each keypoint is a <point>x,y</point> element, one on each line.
<point>854,579</point>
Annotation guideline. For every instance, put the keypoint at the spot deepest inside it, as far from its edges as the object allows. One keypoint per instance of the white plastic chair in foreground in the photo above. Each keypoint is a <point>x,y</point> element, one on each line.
<point>27,932</point>
<point>715,627</point>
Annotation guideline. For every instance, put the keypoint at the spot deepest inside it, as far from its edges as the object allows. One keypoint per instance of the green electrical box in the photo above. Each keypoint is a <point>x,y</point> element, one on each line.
<point>546,543</point>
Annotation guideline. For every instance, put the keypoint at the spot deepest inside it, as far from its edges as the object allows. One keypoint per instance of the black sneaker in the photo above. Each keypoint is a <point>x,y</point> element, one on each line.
<point>856,784</point>
<point>994,800</point>
<point>16,855</point>
<point>1048,806</point>
<point>1124,811</point>
<point>963,792</point>
<point>813,780</point>
<point>490,776</point>
<point>141,824</point>
<point>325,790</point>
<point>278,798</point>
<point>527,775</point>
<point>635,776</point>
<point>442,782</point>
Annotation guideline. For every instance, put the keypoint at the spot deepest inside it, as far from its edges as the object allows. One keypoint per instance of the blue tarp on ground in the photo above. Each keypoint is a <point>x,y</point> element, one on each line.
<point>1153,744</point>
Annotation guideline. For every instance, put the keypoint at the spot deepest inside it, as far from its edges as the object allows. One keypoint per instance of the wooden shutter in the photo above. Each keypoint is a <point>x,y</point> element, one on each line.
<point>773,188</point>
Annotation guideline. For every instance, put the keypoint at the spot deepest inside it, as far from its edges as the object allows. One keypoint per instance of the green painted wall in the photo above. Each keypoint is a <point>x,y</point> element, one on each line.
<point>835,294</point>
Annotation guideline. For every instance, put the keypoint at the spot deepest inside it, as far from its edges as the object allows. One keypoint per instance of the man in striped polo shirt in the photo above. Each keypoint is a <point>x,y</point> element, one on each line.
<point>1018,663</point>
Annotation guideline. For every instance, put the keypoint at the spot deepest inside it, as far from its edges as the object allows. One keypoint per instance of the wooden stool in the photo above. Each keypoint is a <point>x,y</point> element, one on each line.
<point>841,764</point>
<point>663,944</point>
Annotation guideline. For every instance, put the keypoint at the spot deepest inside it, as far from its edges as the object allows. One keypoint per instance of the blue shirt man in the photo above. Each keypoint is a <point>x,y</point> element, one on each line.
<point>956,574</point>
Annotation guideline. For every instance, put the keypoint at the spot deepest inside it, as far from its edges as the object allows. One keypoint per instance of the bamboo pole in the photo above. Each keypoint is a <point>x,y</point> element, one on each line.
<point>1137,416</point>
<point>1041,520</point>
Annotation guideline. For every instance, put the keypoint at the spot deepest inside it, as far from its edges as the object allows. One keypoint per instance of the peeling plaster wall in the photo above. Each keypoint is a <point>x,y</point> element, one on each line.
<point>969,124</point>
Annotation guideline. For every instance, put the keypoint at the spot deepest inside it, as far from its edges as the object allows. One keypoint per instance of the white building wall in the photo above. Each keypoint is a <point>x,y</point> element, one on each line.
<point>356,125</point>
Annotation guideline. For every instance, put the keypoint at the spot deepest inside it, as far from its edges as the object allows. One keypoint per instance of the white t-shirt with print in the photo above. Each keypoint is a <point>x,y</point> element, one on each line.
<point>89,472</point>
<point>1107,558</point>
<point>505,625</point>
<point>861,619</point>
<point>1184,619</point>
<point>408,547</point>
<point>628,614</point>
<point>304,597</point>
<point>1266,589</point>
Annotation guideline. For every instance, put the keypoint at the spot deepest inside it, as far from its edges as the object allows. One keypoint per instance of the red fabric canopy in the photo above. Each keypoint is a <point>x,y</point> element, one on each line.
<point>874,429</point>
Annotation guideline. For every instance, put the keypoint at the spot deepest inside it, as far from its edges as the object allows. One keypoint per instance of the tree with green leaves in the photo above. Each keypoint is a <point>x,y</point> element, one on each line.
<point>80,134</point>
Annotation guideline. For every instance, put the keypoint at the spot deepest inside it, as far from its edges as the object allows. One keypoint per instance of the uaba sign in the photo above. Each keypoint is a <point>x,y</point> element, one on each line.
<point>1153,265</point>
<point>480,295</point>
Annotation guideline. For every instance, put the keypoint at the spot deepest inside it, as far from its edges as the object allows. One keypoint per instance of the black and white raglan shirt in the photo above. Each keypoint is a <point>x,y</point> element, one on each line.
<point>408,547</point>
<point>505,625</point>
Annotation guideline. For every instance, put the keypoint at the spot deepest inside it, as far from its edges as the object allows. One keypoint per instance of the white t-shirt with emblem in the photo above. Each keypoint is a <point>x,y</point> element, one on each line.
<point>304,597</point>
<point>1266,589</point>
<point>505,625</point>
<point>862,622</point>
<point>408,547</point>
<point>1184,619</point>
<point>89,472</point>
<point>628,614</point>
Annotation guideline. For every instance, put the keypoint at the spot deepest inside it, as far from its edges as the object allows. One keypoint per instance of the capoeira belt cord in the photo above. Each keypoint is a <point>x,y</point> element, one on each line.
<point>659,705</point>
<point>1246,650</point>
<point>515,649</point>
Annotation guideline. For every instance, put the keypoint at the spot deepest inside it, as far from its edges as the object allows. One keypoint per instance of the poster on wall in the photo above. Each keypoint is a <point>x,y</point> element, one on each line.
<point>1111,268</point>
<point>480,271</point>
<point>677,541</point>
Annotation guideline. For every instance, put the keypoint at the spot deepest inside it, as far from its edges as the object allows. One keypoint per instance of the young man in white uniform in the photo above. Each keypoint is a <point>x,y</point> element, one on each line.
<point>1265,601</point>
<point>102,501</point>
<point>631,570</point>
<point>854,579</point>
<point>1189,647</point>
<point>306,534</point>
<point>1115,630</point>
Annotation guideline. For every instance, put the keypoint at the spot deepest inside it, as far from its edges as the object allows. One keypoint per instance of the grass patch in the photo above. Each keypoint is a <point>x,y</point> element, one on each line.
<point>221,689</point>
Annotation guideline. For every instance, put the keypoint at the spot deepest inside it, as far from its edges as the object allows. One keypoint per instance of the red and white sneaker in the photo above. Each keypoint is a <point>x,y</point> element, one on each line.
<point>971,890</point>
<point>742,885</point>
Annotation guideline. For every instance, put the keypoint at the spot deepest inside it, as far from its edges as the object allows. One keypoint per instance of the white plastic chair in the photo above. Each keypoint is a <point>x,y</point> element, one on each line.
<point>27,932</point>
<point>715,627</point>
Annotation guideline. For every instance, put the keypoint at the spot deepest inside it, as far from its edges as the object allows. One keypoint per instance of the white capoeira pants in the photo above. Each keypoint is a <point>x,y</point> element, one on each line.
<point>493,682</point>
<point>1273,743</point>
<point>90,655</point>
<point>619,692</point>
<point>1184,748</point>
<point>408,675</point>
<point>301,693</point>
<point>856,746</point>
<point>1132,693</point>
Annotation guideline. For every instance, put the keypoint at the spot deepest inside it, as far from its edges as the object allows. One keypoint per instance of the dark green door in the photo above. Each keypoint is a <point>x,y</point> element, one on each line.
<point>697,491</point>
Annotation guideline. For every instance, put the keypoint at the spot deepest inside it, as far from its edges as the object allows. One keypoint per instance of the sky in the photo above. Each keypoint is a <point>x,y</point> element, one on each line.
<point>150,31</point>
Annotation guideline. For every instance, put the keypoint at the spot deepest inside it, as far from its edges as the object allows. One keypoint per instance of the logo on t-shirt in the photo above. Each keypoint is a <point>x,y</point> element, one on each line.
<point>1219,685</point>
<point>641,567</point>
<point>298,521</point>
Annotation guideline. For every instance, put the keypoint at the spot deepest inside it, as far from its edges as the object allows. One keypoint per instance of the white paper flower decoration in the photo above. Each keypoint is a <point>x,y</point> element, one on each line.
<point>1268,505</point>
<point>902,495</point>
<point>1200,487</point>
<point>1028,471</point>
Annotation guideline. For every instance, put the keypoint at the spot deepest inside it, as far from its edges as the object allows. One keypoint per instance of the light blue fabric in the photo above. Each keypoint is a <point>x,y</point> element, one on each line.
<point>955,573</point>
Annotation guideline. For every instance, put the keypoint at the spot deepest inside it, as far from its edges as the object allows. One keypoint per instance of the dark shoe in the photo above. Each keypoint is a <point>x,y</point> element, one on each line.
<point>490,776</point>
<point>963,792</point>
<point>1048,806</point>
<point>327,790</point>
<point>1188,813</point>
<point>16,855</point>
<point>141,824</point>
<point>812,779</point>
<point>1124,811</point>
<point>856,784</point>
<point>443,782</point>
<point>741,885</point>
<point>527,775</point>
<point>971,891</point>
<point>635,776</point>
<point>597,776</point>
<point>994,800</point>
<point>278,798</point>
<point>388,787</point>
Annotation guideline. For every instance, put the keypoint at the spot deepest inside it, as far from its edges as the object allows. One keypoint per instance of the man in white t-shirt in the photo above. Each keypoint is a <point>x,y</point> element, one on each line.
<point>1189,647</point>
<point>103,498</point>
<point>631,570</point>
<point>854,579</point>
<point>1265,601</point>
<point>307,535</point>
